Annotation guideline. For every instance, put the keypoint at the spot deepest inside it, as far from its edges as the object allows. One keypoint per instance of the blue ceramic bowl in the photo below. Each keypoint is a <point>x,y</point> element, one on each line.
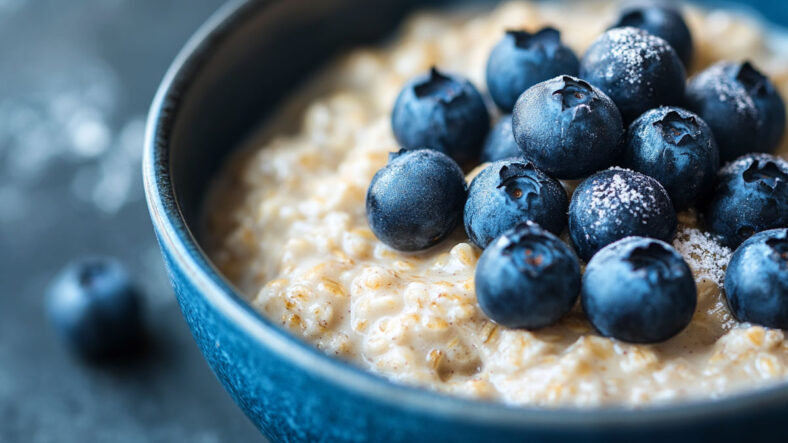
<point>226,79</point>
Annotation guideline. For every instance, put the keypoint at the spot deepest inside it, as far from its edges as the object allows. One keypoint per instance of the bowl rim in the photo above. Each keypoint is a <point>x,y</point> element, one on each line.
<point>176,238</point>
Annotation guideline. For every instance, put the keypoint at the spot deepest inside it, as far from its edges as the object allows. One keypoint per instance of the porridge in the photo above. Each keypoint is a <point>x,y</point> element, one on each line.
<point>287,225</point>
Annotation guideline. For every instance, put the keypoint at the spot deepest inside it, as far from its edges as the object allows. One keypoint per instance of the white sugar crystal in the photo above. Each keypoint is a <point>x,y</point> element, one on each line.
<point>726,91</point>
<point>634,49</point>
<point>707,258</point>
<point>622,195</point>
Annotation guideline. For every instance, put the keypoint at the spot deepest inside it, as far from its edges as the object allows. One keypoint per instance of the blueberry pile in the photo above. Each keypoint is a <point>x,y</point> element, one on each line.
<point>644,142</point>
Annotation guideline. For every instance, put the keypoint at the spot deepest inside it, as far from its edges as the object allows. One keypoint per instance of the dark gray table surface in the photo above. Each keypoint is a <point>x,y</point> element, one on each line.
<point>76,79</point>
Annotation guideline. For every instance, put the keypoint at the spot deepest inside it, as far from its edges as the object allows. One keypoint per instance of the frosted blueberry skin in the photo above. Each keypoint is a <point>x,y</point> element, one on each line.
<point>638,290</point>
<point>662,20</point>
<point>756,281</point>
<point>723,101</point>
<point>509,192</point>
<point>567,127</point>
<point>500,143</point>
<point>751,195</point>
<point>95,308</point>
<point>637,70</point>
<point>521,60</point>
<point>527,278</point>
<point>677,148</point>
<point>442,112</point>
<point>615,204</point>
<point>770,105</point>
<point>416,200</point>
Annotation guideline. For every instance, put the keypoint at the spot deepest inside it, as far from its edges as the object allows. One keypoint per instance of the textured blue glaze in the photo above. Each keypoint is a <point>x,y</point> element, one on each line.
<point>291,391</point>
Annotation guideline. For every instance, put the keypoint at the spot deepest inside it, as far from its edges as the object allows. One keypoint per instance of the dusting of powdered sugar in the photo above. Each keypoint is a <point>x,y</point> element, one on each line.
<point>727,89</point>
<point>633,49</point>
<point>705,256</point>
<point>742,163</point>
<point>623,193</point>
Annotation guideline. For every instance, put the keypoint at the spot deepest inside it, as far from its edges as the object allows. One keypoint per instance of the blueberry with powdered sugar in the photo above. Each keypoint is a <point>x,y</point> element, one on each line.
<point>751,195</point>
<point>567,127</point>
<point>442,112</point>
<point>522,59</point>
<point>662,20</point>
<point>618,203</point>
<point>740,105</point>
<point>509,192</point>
<point>639,71</point>
<point>500,143</point>
<point>677,148</point>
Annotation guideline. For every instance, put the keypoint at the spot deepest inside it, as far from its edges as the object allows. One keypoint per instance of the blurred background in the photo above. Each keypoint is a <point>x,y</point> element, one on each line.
<point>76,79</point>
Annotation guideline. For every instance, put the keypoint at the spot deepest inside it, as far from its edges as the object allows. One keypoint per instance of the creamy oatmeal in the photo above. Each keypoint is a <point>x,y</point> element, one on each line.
<point>287,225</point>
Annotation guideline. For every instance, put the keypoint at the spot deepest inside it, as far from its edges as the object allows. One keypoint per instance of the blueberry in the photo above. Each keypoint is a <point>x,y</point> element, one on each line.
<point>509,192</point>
<point>638,290</point>
<point>662,20</point>
<point>416,200</point>
<point>677,148</point>
<point>618,203</point>
<point>639,71</point>
<point>441,112</point>
<point>521,60</point>
<point>95,308</point>
<point>751,195</point>
<point>567,127</point>
<point>770,105</point>
<point>500,143</point>
<point>723,100</point>
<point>756,281</point>
<point>527,278</point>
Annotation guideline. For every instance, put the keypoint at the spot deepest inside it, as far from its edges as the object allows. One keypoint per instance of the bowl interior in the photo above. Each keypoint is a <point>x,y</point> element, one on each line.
<point>273,47</point>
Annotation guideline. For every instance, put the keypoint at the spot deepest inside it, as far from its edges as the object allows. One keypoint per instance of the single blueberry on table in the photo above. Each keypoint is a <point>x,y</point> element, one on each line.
<point>639,71</point>
<point>770,105</point>
<point>662,20</point>
<point>751,195</point>
<point>756,281</point>
<point>618,203</point>
<point>500,143</point>
<point>527,278</point>
<point>677,148</point>
<point>522,59</point>
<point>741,107</point>
<point>638,290</point>
<point>509,192</point>
<point>441,112</point>
<point>95,308</point>
<point>416,200</point>
<point>567,127</point>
